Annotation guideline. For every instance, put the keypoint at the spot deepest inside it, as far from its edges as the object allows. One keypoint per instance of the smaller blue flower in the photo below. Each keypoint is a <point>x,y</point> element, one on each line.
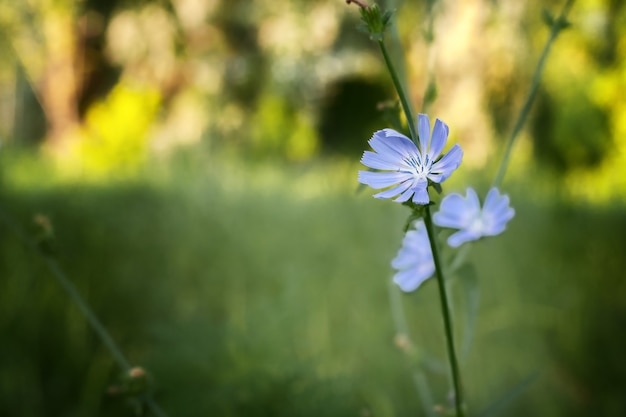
<point>465,214</point>
<point>409,168</point>
<point>414,261</point>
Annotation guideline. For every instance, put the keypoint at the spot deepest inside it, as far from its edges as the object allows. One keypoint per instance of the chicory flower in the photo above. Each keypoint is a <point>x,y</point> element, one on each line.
<point>408,169</point>
<point>414,261</point>
<point>465,214</point>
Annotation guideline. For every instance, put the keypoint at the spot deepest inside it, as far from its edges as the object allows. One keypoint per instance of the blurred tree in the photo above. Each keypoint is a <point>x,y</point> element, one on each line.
<point>221,61</point>
<point>572,133</point>
<point>29,120</point>
<point>246,64</point>
<point>350,113</point>
<point>43,37</point>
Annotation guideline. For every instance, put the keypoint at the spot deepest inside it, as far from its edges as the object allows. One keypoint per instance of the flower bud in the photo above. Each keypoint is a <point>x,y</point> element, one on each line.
<point>374,21</point>
<point>137,372</point>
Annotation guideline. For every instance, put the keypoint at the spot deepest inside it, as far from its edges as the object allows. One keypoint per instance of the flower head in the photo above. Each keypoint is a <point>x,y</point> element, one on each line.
<point>464,213</point>
<point>409,168</point>
<point>414,261</point>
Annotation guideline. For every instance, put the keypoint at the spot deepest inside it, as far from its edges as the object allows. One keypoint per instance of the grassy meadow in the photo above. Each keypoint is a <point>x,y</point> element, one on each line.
<point>191,167</point>
<point>259,289</point>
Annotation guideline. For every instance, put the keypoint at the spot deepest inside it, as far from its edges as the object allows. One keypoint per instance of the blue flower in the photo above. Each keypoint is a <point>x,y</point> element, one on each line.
<point>409,168</point>
<point>414,261</point>
<point>465,214</point>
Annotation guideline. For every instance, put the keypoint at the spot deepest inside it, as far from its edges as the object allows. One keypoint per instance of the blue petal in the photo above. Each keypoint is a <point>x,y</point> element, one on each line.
<point>406,195</point>
<point>404,259</point>
<point>395,190</point>
<point>423,130</point>
<point>496,203</point>
<point>493,196</point>
<point>449,162</point>
<point>403,144</point>
<point>377,161</point>
<point>436,177</point>
<point>382,179</point>
<point>496,213</point>
<point>440,137</point>
<point>392,146</point>
<point>472,198</point>
<point>492,227</point>
<point>457,239</point>
<point>379,143</point>
<point>410,279</point>
<point>456,211</point>
<point>414,260</point>
<point>421,193</point>
<point>416,242</point>
<point>412,249</point>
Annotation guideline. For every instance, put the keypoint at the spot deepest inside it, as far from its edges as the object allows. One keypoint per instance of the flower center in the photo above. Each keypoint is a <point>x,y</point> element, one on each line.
<point>478,224</point>
<point>420,167</point>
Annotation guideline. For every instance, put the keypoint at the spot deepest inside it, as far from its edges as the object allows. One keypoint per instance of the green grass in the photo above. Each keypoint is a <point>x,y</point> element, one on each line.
<point>262,291</point>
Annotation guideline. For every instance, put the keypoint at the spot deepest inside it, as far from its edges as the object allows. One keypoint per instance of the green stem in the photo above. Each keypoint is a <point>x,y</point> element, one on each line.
<point>98,327</point>
<point>394,45</point>
<point>556,28</point>
<point>406,105</point>
<point>456,379</point>
<point>104,335</point>
<point>447,319</point>
<point>82,305</point>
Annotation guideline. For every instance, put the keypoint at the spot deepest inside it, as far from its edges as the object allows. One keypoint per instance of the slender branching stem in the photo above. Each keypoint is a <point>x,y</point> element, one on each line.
<point>398,74</point>
<point>445,309</point>
<point>95,323</point>
<point>56,270</point>
<point>406,104</point>
<point>557,26</point>
<point>359,3</point>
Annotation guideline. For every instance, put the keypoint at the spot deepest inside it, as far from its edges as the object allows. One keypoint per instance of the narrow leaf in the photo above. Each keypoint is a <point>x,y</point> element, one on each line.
<point>548,17</point>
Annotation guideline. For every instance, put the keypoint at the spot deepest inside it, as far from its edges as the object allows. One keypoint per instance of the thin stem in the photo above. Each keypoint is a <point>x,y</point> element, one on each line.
<point>360,3</point>
<point>102,332</point>
<point>394,45</point>
<point>521,119</point>
<point>456,379</point>
<point>71,290</point>
<point>445,309</point>
<point>406,105</point>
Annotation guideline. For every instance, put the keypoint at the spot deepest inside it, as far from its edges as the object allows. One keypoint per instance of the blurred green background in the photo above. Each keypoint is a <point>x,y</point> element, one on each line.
<point>197,161</point>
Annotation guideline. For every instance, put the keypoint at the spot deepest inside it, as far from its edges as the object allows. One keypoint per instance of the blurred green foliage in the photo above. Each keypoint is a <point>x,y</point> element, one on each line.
<point>290,80</point>
<point>242,295</point>
<point>280,131</point>
<point>572,135</point>
<point>116,132</point>
<point>251,289</point>
<point>352,112</point>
